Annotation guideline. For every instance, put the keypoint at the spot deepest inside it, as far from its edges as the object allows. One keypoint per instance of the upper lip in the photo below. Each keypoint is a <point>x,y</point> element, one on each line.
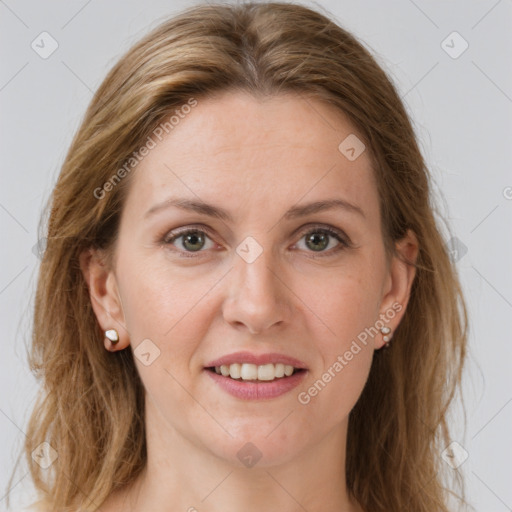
<point>257,359</point>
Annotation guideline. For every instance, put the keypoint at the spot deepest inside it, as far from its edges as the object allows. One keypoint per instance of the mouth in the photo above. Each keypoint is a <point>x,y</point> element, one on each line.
<point>256,373</point>
<point>246,375</point>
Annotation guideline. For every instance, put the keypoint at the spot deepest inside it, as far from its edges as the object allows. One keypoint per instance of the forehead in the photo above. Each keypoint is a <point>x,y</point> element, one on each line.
<point>240,150</point>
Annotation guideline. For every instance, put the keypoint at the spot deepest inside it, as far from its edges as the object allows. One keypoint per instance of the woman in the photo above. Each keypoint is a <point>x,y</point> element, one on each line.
<point>245,302</point>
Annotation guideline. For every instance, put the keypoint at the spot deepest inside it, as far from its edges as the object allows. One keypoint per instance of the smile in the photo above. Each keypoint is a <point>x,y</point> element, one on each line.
<point>250,376</point>
<point>249,381</point>
<point>253,372</point>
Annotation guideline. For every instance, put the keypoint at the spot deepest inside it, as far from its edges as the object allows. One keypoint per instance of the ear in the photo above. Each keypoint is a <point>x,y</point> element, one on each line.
<point>398,284</point>
<point>104,294</point>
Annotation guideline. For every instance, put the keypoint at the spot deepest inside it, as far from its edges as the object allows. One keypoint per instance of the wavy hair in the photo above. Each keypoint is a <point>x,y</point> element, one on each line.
<point>91,404</point>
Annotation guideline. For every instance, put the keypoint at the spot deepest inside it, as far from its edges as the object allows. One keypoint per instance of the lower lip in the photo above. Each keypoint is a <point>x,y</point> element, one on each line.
<point>250,390</point>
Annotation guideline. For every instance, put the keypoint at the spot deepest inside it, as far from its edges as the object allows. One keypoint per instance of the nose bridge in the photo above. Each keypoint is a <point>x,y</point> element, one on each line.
<point>256,292</point>
<point>257,275</point>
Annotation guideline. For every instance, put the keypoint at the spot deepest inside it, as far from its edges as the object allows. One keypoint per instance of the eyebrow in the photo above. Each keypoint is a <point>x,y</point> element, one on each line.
<point>201,207</point>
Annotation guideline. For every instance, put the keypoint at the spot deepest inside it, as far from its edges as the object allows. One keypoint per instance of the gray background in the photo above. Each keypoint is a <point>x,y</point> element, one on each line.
<point>461,108</point>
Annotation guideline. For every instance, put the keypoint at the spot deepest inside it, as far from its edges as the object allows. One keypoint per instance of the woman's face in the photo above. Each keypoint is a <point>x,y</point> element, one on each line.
<point>261,284</point>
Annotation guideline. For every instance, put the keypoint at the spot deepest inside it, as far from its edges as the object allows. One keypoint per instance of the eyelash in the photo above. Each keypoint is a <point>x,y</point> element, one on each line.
<point>171,237</point>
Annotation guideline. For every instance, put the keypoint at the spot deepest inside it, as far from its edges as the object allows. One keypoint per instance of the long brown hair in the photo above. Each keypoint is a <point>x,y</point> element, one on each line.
<point>91,404</point>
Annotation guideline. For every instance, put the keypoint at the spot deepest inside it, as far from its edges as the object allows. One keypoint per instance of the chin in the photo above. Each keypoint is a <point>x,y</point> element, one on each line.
<point>258,445</point>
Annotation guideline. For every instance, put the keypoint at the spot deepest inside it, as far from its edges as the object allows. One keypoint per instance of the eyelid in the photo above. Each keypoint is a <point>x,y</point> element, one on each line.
<point>344,241</point>
<point>331,230</point>
<point>175,233</point>
<point>338,234</point>
<point>170,236</point>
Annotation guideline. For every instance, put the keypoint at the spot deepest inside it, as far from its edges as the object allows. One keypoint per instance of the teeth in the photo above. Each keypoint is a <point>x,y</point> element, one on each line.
<point>266,372</point>
<point>235,370</point>
<point>247,371</point>
<point>288,370</point>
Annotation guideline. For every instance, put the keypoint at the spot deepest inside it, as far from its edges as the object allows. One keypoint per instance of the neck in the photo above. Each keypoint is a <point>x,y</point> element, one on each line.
<point>180,475</point>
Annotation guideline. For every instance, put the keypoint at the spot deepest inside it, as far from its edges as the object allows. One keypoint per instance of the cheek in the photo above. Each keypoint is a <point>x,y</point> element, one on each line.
<point>348,302</point>
<point>346,351</point>
<point>348,308</point>
<point>163,309</point>
<point>155,299</point>
<point>333,394</point>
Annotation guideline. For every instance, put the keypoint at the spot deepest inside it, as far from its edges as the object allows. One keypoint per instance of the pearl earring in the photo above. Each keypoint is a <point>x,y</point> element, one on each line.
<point>112,335</point>
<point>387,336</point>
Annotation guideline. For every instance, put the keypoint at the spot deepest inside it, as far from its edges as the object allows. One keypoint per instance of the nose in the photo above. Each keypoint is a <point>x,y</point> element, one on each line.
<point>258,298</point>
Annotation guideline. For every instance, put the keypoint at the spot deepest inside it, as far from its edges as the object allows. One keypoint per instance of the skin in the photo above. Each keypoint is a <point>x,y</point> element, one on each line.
<point>255,158</point>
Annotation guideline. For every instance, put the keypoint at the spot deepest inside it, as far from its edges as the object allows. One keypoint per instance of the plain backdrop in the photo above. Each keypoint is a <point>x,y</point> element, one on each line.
<point>458,90</point>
